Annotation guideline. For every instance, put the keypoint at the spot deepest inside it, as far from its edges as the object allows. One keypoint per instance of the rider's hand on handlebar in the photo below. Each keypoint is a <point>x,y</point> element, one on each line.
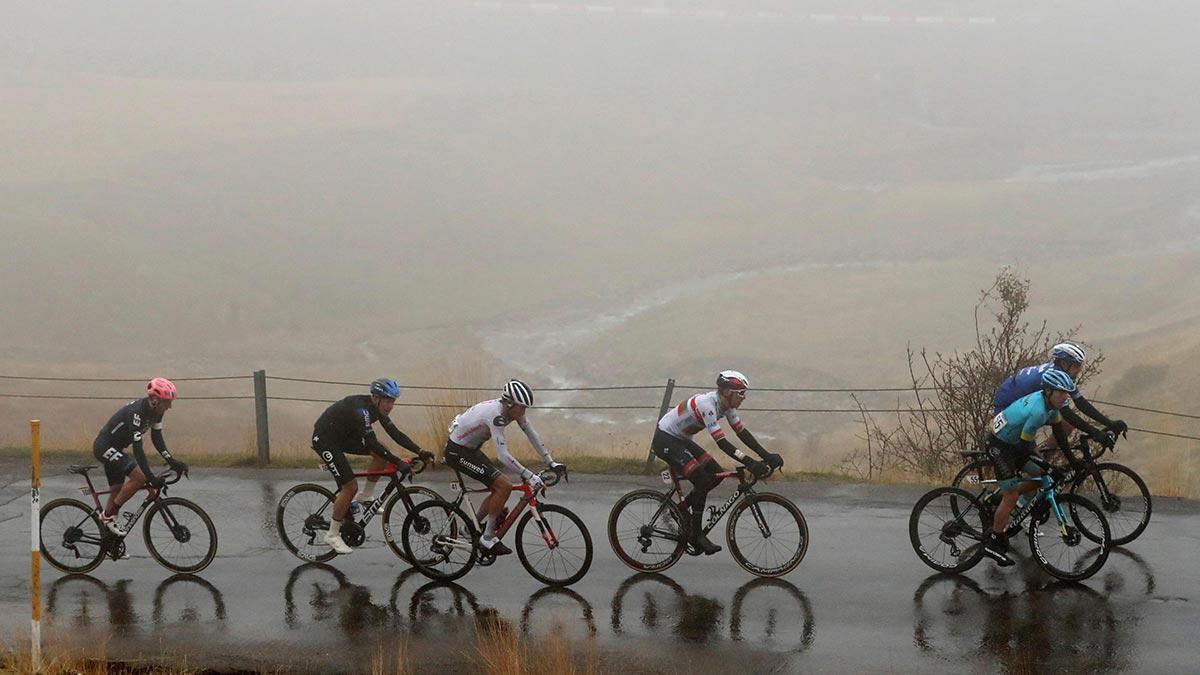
<point>156,482</point>
<point>1118,428</point>
<point>178,466</point>
<point>425,456</point>
<point>773,460</point>
<point>534,481</point>
<point>1107,439</point>
<point>759,469</point>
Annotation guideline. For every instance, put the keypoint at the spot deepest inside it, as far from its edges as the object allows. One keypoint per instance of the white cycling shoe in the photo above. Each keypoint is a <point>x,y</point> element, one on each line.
<point>111,523</point>
<point>335,542</point>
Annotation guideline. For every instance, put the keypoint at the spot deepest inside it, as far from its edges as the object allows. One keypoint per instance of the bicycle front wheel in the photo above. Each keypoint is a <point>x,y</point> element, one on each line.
<point>72,539</point>
<point>558,550</point>
<point>767,534</point>
<point>646,531</point>
<point>180,535</point>
<point>396,511</point>
<point>440,540</point>
<point>1125,500</point>
<point>1072,551</point>
<point>302,520</point>
<point>946,528</point>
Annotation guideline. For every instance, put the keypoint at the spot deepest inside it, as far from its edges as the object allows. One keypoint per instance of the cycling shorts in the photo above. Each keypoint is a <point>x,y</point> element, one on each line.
<point>117,464</point>
<point>334,459</point>
<point>683,455</point>
<point>1008,458</point>
<point>471,461</point>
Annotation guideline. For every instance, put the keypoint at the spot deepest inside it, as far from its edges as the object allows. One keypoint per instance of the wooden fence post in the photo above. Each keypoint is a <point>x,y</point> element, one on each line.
<point>260,416</point>
<point>662,410</point>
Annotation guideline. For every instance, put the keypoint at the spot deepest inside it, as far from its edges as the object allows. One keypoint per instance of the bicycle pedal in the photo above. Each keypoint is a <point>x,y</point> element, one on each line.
<point>485,559</point>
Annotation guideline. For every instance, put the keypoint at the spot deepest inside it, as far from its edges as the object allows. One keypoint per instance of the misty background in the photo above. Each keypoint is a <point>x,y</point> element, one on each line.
<point>456,193</point>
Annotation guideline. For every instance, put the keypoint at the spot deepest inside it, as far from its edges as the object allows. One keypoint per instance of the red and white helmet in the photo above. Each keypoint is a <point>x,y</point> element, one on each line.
<point>732,379</point>
<point>161,387</point>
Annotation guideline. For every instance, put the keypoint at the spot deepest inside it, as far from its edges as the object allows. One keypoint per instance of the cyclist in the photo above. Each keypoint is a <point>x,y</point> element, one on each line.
<point>345,429</point>
<point>1068,358</point>
<point>126,428</point>
<point>471,429</point>
<point>1011,447</point>
<point>673,444</point>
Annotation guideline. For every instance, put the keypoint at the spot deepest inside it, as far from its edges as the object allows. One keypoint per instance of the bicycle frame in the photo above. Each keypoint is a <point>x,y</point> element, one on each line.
<point>715,513</point>
<point>1047,491</point>
<point>527,499</point>
<point>151,497</point>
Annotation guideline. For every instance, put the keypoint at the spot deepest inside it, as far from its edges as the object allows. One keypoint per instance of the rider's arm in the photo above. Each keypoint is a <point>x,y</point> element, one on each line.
<point>372,444</point>
<point>1085,406</point>
<point>398,436</point>
<point>139,453</point>
<point>751,442</point>
<point>509,462</point>
<point>534,439</point>
<point>1064,443</point>
<point>1078,422</point>
<point>160,444</point>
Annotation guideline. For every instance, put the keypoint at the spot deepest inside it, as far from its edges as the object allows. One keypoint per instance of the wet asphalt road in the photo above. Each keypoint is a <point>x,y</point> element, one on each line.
<point>860,601</point>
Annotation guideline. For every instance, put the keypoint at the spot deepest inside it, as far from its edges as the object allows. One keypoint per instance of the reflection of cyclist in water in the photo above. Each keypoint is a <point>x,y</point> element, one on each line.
<point>81,592</point>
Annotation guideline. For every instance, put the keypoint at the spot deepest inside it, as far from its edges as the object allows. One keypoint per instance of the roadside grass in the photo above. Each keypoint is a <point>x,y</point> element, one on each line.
<point>500,651</point>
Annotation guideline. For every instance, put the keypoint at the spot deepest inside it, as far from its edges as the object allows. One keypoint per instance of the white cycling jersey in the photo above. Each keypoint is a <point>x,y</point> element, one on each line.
<point>699,412</point>
<point>485,420</point>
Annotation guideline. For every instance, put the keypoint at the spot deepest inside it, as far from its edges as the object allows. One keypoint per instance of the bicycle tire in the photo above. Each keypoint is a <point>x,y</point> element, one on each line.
<point>1040,542</point>
<point>181,533</point>
<point>964,531</point>
<point>298,531</point>
<point>74,529</point>
<point>1121,534</point>
<point>672,553</point>
<point>392,542</point>
<point>740,551</point>
<point>554,553</point>
<point>451,525</point>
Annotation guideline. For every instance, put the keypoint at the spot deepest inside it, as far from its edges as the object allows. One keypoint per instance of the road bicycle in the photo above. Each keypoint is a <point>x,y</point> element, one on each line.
<point>1068,534</point>
<point>305,510</point>
<point>1115,488</point>
<point>442,541</point>
<point>178,533</point>
<point>766,532</point>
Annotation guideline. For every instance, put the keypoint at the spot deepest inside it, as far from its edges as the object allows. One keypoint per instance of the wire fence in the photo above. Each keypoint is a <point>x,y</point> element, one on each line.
<point>261,397</point>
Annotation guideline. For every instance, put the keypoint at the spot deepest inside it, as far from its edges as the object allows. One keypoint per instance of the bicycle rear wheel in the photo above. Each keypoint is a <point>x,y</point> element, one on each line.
<point>945,534</point>
<point>646,531</point>
<point>773,537</point>
<point>395,512</point>
<point>302,520</point>
<point>72,539</point>
<point>440,540</point>
<point>971,478</point>
<point>180,535</point>
<point>1125,500</point>
<point>1062,549</point>
<point>568,560</point>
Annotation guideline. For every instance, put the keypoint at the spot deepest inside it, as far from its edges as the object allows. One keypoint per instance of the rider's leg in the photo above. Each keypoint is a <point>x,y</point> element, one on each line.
<point>704,479</point>
<point>368,489</point>
<point>134,481</point>
<point>345,495</point>
<point>493,504</point>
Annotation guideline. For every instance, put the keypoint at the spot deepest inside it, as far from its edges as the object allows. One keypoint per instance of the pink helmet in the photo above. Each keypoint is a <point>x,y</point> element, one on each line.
<point>161,387</point>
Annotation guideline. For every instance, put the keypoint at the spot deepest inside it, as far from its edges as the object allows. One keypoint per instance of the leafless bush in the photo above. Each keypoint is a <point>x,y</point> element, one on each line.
<point>951,394</point>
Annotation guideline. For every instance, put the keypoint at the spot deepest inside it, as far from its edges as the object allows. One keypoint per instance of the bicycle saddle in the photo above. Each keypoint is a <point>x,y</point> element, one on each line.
<point>82,469</point>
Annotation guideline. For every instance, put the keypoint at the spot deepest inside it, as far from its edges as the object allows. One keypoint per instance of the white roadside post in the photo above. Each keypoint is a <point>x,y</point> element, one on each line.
<point>35,629</point>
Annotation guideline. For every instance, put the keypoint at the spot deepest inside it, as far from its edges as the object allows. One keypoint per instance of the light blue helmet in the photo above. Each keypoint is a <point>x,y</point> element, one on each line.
<point>385,387</point>
<point>1053,378</point>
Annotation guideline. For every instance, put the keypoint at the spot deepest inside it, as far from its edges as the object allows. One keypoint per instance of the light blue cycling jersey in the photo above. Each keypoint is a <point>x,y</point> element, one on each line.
<point>1022,383</point>
<point>1021,420</point>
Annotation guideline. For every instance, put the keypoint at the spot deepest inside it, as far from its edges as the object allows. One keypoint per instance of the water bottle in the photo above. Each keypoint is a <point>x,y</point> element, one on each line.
<point>356,507</point>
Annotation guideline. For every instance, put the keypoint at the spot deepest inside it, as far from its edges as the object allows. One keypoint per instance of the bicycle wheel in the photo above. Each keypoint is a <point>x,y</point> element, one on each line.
<point>440,540</point>
<point>971,478</point>
<point>394,513</point>
<point>180,535</point>
<point>774,538</point>
<point>302,520</point>
<point>72,538</point>
<point>1060,548</point>
<point>562,564</point>
<point>1125,500</point>
<point>645,531</point>
<point>945,535</point>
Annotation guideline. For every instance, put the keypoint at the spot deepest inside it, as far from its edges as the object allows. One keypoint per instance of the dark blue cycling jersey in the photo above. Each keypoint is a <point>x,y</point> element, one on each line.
<point>346,426</point>
<point>127,427</point>
<point>1020,384</point>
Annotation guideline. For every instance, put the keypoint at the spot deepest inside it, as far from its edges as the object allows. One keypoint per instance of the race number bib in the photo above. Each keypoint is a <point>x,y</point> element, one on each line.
<point>998,423</point>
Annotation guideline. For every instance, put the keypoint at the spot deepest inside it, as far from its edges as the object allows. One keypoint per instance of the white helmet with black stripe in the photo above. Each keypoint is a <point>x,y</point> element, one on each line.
<point>516,391</point>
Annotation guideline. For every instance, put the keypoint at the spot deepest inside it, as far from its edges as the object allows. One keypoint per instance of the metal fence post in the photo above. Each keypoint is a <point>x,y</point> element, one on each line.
<point>260,416</point>
<point>662,410</point>
<point>35,576</point>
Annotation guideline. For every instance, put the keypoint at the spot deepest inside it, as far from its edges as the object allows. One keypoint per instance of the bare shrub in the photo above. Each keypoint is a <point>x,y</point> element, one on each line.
<point>951,394</point>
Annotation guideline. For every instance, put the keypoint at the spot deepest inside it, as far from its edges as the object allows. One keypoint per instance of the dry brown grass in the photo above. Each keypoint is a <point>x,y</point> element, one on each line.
<point>60,659</point>
<point>502,652</point>
<point>397,663</point>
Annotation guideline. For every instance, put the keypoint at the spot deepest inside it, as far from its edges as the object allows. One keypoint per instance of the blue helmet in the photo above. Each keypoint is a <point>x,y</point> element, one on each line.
<point>1053,378</point>
<point>385,387</point>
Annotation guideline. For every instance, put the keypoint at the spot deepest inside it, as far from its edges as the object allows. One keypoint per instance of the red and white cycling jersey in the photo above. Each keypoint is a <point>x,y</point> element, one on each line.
<point>699,412</point>
<point>474,426</point>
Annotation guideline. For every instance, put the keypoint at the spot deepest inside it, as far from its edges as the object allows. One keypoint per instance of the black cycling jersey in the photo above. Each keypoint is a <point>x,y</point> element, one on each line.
<point>346,425</point>
<point>127,427</point>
